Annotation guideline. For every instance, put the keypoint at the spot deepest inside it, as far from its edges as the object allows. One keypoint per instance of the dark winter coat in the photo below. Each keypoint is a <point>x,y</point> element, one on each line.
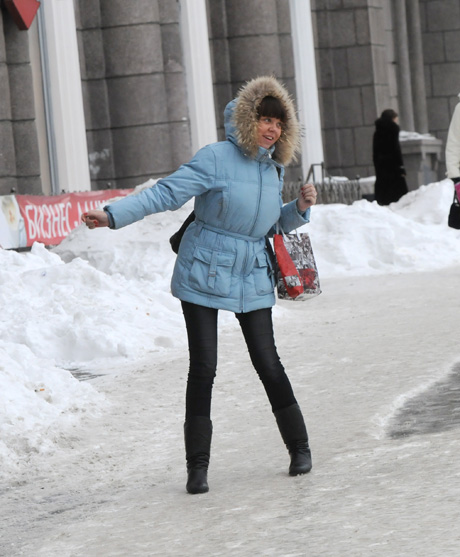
<point>390,183</point>
<point>222,261</point>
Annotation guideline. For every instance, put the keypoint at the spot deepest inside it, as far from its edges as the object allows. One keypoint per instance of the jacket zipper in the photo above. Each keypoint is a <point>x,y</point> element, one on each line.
<point>253,224</point>
<point>258,200</point>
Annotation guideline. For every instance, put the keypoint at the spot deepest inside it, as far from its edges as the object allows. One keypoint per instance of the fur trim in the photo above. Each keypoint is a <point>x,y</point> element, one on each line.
<point>246,121</point>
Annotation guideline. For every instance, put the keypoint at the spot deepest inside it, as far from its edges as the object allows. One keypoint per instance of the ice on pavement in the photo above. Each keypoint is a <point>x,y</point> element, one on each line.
<point>102,298</point>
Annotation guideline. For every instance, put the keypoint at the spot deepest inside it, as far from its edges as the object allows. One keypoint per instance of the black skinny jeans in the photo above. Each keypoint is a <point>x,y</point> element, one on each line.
<point>257,327</point>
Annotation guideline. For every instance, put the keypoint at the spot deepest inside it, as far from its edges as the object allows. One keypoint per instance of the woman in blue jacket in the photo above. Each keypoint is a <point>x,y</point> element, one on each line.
<point>222,261</point>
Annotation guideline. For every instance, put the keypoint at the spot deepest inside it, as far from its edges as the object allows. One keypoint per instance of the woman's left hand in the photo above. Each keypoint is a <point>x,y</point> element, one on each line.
<point>306,198</point>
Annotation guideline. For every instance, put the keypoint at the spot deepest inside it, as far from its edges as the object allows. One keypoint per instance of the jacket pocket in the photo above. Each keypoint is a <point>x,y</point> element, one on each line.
<point>211,271</point>
<point>263,274</point>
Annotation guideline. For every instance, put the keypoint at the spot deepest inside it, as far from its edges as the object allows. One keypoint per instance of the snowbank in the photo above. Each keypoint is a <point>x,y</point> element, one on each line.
<point>366,239</point>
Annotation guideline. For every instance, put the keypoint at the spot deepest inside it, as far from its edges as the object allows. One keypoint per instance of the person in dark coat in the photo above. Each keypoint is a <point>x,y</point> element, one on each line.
<point>390,183</point>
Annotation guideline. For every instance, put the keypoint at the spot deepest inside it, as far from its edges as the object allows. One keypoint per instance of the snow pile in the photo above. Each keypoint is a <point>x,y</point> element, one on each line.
<point>366,239</point>
<point>103,296</point>
<point>39,399</point>
<point>410,136</point>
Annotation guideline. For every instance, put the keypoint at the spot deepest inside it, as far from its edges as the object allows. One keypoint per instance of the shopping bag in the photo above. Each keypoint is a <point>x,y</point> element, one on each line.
<point>454,213</point>
<point>297,274</point>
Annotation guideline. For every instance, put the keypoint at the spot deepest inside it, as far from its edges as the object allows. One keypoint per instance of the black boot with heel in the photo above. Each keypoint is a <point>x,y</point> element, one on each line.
<point>197,435</point>
<point>294,433</point>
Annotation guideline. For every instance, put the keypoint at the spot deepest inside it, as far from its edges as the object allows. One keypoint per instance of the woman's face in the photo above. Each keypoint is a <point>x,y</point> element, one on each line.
<point>269,131</point>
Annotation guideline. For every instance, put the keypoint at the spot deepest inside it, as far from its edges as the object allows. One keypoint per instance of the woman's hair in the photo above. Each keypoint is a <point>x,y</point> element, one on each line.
<point>272,107</point>
<point>389,114</point>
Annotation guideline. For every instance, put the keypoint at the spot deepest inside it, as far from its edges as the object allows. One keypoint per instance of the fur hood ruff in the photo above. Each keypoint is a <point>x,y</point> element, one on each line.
<point>245,119</point>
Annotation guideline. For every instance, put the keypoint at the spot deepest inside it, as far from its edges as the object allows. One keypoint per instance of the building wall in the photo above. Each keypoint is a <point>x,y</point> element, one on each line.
<point>134,89</point>
<point>441,51</point>
<point>19,160</point>
<point>357,69</point>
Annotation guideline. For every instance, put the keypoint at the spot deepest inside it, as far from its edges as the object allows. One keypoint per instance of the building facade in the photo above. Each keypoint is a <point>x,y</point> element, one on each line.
<point>108,93</point>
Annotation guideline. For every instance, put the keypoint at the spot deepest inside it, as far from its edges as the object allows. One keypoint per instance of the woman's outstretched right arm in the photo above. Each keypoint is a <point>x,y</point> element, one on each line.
<point>168,194</point>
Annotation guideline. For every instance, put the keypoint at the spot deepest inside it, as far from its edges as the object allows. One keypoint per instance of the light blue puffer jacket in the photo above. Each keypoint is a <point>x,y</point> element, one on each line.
<point>222,261</point>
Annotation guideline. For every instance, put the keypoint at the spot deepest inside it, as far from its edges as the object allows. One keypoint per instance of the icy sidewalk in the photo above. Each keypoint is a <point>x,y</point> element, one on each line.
<point>355,355</point>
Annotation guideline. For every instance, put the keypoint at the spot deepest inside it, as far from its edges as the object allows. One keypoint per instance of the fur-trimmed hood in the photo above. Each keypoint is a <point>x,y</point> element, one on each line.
<point>241,120</point>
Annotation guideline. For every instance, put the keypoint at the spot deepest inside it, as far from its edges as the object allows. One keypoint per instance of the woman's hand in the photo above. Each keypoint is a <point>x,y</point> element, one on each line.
<point>95,219</point>
<point>306,198</point>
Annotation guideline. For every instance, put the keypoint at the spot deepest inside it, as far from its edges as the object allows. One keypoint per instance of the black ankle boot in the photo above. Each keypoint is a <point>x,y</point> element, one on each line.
<point>197,435</point>
<point>300,458</point>
<point>294,433</point>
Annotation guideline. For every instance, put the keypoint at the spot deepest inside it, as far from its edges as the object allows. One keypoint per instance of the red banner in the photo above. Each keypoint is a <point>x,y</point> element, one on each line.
<point>49,220</point>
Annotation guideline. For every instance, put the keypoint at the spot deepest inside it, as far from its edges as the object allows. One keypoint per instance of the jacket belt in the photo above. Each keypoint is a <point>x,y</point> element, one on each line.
<point>200,224</point>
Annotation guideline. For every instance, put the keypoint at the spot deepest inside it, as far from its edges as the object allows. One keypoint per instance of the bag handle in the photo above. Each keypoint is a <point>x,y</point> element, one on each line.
<point>279,230</point>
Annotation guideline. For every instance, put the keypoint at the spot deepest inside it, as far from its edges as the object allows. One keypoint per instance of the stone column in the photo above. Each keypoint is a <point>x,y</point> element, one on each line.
<point>254,47</point>
<point>417,69</point>
<point>307,84</point>
<point>22,110</point>
<point>197,58</point>
<point>95,94</point>
<point>251,39</point>
<point>406,113</point>
<point>7,154</point>
<point>66,98</point>
<point>142,47</point>
<point>421,155</point>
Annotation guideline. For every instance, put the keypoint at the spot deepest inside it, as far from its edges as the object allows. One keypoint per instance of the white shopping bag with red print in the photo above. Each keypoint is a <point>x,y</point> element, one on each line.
<point>297,274</point>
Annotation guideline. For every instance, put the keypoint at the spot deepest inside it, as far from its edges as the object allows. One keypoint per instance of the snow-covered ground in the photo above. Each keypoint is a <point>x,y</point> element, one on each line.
<point>96,467</point>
